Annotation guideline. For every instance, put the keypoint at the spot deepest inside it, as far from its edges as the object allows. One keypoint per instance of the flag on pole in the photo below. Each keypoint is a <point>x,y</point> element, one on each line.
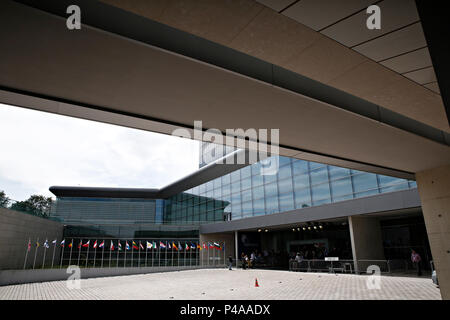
<point>199,246</point>
<point>154,245</point>
<point>29,245</point>
<point>204,246</point>
<point>37,244</point>
<point>141,246</point>
<point>120,246</point>
<point>46,244</point>
<point>101,245</point>
<point>127,246</point>
<point>174,246</point>
<point>54,242</point>
<point>210,245</point>
<point>217,246</point>
<point>180,246</point>
<point>86,245</point>
<point>135,246</point>
<point>162,245</point>
<point>63,243</point>
<point>149,245</point>
<point>95,244</point>
<point>112,246</point>
<point>70,244</point>
<point>187,246</point>
<point>168,245</point>
<point>193,246</point>
<point>79,244</point>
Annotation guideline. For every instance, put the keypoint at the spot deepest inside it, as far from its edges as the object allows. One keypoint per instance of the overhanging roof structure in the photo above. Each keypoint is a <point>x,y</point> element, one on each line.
<point>129,69</point>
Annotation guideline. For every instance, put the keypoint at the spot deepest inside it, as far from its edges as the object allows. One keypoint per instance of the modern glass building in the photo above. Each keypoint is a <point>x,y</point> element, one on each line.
<point>304,205</point>
<point>298,184</point>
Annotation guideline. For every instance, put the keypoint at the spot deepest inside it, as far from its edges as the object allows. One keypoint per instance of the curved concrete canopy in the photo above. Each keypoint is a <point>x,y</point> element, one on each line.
<point>70,71</point>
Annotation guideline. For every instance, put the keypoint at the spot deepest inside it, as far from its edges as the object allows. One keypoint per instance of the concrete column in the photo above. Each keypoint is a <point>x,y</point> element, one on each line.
<point>366,239</point>
<point>434,191</point>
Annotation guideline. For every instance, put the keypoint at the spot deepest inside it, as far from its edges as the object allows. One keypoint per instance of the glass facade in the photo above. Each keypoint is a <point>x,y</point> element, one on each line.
<point>117,218</point>
<point>298,184</point>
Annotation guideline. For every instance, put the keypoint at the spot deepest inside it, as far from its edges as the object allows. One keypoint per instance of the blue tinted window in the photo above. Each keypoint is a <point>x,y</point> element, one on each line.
<point>286,202</point>
<point>258,192</point>
<point>236,187</point>
<point>257,180</point>
<point>321,194</point>
<point>235,176</point>
<point>285,186</point>
<point>247,195</point>
<point>258,206</point>
<point>246,172</point>
<point>246,183</point>
<point>319,176</point>
<point>364,182</point>
<point>299,166</point>
<point>272,205</point>
<point>341,187</point>
<point>284,172</point>
<point>226,179</point>
<point>247,209</point>
<point>271,189</point>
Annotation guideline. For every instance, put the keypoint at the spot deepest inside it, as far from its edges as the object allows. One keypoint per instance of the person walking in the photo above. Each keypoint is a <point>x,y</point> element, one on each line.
<point>244,263</point>
<point>230,263</point>
<point>415,259</point>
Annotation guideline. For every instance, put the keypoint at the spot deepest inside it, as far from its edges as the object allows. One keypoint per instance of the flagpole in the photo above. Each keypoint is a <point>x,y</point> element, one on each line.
<point>87,253</point>
<point>132,252</point>
<point>125,259</point>
<point>110,252</point>
<point>103,252</point>
<point>159,255</point>
<point>118,252</point>
<point>62,254</point>
<point>172,252</point>
<point>146,251</point>
<point>79,251</point>
<point>26,253</point>
<point>45,250</point>
<point>165,259</point>
<point>190,258</point>
<point>95,250</point>
<point>152,254</point>
<point>70,257</point>
<point>224,253</point>
<point>54,248</point>
<point>208,248</point>
<point>35,252</point>
<point>139,255</point>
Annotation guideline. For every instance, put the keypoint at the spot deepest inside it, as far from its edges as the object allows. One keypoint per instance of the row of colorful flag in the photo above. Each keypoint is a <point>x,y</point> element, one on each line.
<point>134,245</point>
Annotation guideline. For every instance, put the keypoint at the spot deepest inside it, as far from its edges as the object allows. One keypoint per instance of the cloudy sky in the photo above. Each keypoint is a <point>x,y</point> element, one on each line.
<point>39,150</point>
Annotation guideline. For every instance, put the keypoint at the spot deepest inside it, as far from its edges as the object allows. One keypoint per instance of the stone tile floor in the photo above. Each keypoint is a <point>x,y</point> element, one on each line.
<point>207,284</point>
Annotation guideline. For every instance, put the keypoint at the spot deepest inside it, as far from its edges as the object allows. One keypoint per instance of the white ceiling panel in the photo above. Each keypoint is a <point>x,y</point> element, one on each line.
<point>410,61</point>
<point>276,5</point>
<point>395,43</point>
<point>318,14</point>
<point>352,31</point>
<point>422,76</point>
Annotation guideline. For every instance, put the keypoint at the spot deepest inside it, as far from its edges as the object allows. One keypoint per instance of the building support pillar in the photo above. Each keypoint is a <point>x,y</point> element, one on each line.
<point>434,191</point>
<point>366,239</point>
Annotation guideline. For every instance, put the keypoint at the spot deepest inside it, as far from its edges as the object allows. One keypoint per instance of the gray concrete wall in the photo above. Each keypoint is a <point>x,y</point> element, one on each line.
<point>10,277</point>
<point>16,229</point>
<point>366,238</point>
<point>227,238</point>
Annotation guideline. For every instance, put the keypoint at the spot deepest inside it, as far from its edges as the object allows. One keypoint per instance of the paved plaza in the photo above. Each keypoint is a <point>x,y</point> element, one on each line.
<point>224,284</point>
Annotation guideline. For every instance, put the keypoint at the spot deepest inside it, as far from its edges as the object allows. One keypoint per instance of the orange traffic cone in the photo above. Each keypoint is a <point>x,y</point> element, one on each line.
<point>256,283</point>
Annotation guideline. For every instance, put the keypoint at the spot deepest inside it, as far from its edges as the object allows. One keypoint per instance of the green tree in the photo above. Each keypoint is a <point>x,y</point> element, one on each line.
<point>36,204</point>
<point>4,200</point>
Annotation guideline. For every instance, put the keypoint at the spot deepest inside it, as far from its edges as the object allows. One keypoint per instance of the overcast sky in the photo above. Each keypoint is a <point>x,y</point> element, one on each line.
<point>39,150</point>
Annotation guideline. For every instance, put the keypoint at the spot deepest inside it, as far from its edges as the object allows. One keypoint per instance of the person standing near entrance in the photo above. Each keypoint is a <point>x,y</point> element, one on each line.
<point>230,262</point>
<point>415,259</point>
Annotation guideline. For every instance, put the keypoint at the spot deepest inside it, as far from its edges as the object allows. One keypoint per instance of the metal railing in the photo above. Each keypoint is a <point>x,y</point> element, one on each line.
<point>348,266</point>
